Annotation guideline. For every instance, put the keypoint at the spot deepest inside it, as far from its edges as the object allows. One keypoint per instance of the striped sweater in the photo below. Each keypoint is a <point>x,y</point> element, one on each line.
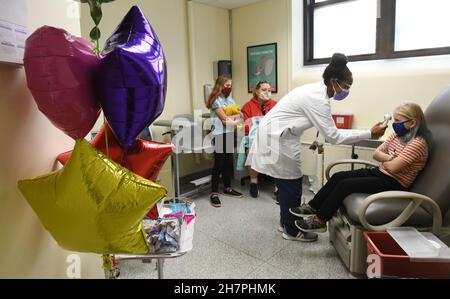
<point>414,153</point>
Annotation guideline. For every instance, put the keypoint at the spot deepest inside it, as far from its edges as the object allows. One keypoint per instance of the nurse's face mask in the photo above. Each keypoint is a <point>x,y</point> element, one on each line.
<point>339,96</point>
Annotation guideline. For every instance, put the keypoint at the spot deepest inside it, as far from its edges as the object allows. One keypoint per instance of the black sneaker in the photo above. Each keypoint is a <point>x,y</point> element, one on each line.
<point>303,211</point>
<point>232,193</point>
<point>311,225</point>
<point>215,201</point>
<point>254,192</point>
<point>301,236</point>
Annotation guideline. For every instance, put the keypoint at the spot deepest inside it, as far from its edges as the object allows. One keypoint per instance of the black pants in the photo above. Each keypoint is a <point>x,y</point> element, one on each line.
<point>329,199</point>
<point>223,160</point>
<point>289,196</point>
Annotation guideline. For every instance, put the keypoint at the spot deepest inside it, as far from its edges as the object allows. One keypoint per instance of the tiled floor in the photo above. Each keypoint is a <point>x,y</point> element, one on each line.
<point>240,240</point>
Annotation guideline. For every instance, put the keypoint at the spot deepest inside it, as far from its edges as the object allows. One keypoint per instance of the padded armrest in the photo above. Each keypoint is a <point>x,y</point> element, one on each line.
<point>415,201</point>
<point>347,161</point>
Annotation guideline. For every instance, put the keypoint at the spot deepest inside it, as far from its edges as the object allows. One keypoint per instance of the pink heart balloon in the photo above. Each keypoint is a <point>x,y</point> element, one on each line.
<point>60,69</point>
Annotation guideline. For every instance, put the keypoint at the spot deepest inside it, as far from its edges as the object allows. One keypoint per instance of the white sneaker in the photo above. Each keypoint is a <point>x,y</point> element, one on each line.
<point>281,229</point>
<point>301,236</point>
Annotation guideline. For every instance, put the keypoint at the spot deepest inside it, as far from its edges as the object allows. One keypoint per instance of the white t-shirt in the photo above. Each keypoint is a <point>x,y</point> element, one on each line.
<point>218,127</point>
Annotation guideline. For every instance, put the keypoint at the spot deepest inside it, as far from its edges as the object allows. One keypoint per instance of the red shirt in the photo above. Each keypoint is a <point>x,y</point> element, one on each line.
<point>254,108</point>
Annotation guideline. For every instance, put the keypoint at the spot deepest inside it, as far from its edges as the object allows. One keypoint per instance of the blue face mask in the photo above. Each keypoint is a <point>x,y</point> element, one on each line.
<point>399,128</point>
<point>339,96</point>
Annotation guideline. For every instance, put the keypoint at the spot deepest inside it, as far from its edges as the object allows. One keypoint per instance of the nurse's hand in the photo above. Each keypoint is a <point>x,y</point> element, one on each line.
<point>378,130</point>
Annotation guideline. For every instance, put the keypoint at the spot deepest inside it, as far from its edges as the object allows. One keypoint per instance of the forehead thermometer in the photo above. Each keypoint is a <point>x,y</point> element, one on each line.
<point>387,118</point>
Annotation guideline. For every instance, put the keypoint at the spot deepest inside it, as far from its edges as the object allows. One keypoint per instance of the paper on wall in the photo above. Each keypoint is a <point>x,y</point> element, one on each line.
<point>13,30</point>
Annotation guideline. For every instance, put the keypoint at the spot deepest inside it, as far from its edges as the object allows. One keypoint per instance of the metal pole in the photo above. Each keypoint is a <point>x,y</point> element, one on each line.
<point>160,268</point>
<point>354,156</point>
<point>175,174</point>
<point>175,169</point>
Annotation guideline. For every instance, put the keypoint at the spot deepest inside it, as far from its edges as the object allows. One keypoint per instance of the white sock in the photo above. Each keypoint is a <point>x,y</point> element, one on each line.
<point>254,181</point>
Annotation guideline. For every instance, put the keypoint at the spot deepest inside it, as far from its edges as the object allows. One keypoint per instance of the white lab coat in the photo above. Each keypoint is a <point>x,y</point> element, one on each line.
<point>276,148</point>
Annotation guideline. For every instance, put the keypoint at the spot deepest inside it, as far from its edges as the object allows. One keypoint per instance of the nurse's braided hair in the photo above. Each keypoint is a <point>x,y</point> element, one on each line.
<point>337,69</point>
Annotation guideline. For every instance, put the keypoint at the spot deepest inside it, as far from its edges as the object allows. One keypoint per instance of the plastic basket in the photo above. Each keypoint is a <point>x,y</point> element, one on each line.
<point>180,215</point>
<point>396,263</point>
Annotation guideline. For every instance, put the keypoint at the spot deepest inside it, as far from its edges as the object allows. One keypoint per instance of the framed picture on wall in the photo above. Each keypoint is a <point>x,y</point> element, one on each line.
<point>262,65</point>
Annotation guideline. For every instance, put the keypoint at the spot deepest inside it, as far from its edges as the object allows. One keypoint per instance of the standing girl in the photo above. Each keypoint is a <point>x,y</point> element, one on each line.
<point>223,133</point>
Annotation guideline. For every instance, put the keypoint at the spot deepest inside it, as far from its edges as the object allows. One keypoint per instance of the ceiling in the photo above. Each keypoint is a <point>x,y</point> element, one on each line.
<point>230,4</point>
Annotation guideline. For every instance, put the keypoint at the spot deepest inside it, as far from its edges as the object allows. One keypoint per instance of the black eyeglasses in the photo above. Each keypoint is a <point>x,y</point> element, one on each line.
<point>402,122</point>
<point>263,108</point>
<point>346,86</point>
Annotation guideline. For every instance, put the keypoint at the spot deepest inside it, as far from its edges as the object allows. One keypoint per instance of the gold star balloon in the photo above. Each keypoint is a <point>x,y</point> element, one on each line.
<point>93,204</point>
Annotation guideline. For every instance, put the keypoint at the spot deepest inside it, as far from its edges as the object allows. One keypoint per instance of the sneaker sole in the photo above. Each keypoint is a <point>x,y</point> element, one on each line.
<point>301,215</point>
<point>216,205</point>
<point>286,237</point>
<point>232,196</point>
<point>312,230</point>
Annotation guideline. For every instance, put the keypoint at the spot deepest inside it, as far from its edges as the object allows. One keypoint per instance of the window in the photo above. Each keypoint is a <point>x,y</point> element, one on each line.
<point>375,29</point>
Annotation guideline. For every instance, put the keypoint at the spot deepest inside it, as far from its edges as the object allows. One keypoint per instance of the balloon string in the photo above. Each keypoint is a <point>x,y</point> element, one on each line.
<point>97,52</point>
<point>106,135</point>
<point>124,158</point>
<point>97,47</point>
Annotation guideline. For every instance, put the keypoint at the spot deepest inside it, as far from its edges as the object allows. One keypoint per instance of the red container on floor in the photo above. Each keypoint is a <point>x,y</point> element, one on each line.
<point>396,263</point>
<point>343,120</point>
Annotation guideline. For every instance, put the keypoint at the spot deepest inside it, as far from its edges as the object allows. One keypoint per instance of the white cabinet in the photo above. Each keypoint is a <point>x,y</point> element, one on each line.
<point>309,160</point>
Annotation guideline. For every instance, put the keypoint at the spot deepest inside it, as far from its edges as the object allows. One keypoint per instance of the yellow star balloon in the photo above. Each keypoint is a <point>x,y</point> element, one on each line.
<point>93,204</point>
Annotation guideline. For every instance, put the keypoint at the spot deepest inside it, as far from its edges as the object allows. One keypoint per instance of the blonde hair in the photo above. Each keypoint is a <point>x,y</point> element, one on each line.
<point>413,111</point>
<point>217,90</point>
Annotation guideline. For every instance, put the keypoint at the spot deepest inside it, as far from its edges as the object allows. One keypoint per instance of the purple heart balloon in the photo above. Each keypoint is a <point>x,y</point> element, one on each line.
<point>132,79</point>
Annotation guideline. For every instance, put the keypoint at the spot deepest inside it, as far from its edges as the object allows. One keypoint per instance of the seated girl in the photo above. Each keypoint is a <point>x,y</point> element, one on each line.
<point>403,155</point>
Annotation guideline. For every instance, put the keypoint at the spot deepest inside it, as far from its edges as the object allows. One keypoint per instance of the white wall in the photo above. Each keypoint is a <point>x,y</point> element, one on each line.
<point>209,34</point>
<point>261,23</point>
<point>30,146</point>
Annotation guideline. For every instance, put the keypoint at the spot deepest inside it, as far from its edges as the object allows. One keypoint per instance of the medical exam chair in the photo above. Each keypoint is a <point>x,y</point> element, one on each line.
<point>423,207</point>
